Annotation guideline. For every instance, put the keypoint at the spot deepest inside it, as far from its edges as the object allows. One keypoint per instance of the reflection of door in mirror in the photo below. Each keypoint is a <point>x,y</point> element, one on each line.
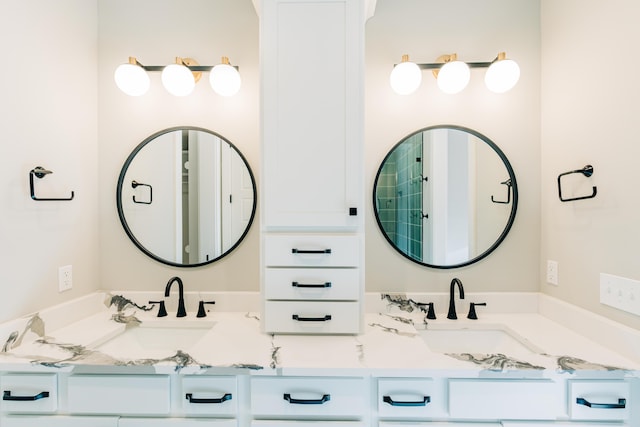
<point>203,196</point>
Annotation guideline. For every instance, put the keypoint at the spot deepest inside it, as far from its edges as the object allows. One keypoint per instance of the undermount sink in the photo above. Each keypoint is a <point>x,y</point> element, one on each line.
<point>479,338</point>
<point>155,339</point>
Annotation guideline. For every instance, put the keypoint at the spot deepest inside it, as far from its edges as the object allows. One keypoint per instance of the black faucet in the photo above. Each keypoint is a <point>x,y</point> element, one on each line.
<point>181,310</point>
<point>452,305</point>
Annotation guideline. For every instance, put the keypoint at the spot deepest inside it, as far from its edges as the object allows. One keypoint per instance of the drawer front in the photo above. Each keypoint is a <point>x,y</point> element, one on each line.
<point>312,283</point>
<point>311,251</point>
<point>27,393</point>
<point>261,423</point>
<point>174,422</point>
<point>505,399</point>
<point>410,398</point>
<point>58,421</point>
<point>203,395</point>
<point>295,397</point>
<point>457,424</point>
<point>599,400</point>
<point>312,317</point>
<point>118,394</point>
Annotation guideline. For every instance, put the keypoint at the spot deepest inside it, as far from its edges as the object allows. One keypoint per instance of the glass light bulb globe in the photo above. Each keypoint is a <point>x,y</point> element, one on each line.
<point>405,78</point>
<point>453,77</point>
<point>502,76</point>
<point>178,80</point>
<point>132,79</point>
<point>225,80</point>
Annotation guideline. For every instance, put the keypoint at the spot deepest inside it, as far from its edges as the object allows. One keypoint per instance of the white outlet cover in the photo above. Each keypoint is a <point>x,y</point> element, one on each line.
<point>65,278</point>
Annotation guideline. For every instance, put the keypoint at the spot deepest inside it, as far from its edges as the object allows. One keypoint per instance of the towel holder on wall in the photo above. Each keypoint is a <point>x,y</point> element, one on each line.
<point>40,172</point>
<point>508,184</point>
<point>586,171</point>
<point>135,184</point>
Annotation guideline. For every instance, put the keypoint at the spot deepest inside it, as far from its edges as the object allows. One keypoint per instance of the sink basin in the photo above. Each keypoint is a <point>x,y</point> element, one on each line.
<point>477,339</point>
<point>155,339</point>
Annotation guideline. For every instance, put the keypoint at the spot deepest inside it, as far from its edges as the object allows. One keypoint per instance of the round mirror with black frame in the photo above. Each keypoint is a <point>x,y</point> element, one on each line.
<point>186,196</point>
<point>445,196</point>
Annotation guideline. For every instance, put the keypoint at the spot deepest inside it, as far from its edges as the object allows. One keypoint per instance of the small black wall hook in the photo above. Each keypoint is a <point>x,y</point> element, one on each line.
<point>135,184</point>
<point>508,184</point>
<point>586,171</point>
<point>41,172</point>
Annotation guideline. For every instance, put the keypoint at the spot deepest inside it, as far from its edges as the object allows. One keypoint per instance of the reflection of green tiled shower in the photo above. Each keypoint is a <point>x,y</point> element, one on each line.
<point>399,192</point>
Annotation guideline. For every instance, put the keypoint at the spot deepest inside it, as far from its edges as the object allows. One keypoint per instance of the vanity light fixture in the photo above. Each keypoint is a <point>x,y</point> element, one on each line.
<point>453,75</point>
<point>179,78</point>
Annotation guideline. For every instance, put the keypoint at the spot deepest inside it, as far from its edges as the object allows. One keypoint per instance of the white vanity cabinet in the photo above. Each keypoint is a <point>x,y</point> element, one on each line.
<point>312,74</point>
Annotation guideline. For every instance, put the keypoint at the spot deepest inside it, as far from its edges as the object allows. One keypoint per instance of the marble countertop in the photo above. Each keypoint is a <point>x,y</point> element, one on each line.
<point>391,343</point>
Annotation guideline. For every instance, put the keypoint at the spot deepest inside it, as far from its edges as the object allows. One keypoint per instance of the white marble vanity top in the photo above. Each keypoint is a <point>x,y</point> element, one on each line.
<point>391,343</point>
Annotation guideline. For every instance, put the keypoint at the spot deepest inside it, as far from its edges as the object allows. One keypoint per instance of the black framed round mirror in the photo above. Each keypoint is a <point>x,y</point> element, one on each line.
<point>445,196</point>
<point>186,196</point>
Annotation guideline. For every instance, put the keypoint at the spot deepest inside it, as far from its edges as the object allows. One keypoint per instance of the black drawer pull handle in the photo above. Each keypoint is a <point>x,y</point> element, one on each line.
<point>622,403</point>
<point>306,285</point>
<point>316,251</point>
<point>41,395</point>
<point>191,399</point>
<point>324,399</point>
<point>390,401</point>
<point>311,319</point>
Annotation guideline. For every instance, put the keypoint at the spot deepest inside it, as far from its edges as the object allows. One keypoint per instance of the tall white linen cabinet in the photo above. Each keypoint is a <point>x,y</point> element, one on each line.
<point>312,191</point>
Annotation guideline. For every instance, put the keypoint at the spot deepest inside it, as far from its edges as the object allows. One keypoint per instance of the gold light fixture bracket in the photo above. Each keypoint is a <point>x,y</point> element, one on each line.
<point>443,59</point>
<point>190,62</point>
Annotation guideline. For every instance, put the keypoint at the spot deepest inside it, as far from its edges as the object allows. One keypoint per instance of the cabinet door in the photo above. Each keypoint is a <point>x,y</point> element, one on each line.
<point>311,59</point>
<point>57,421</point>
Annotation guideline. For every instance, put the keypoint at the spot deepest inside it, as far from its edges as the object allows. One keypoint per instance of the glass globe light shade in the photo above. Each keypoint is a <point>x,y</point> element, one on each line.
<point>502,76</point>
<point>132,79</point>
<point>225,80</point>
<point>453,77</point>
<point>178,80</point>
<point>405,78</point>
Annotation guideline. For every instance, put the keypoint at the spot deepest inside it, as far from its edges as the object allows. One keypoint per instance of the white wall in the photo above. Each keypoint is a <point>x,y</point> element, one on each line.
<point>476,31</point>
<point>48,117</point>
<point>156,31</point>
<point>590,111</point>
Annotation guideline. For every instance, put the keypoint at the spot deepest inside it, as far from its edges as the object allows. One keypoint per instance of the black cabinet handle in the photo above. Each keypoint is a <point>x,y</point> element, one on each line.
<point>41,395</point>
<point>306,285</point>
<point>622,403</point>
<point>390,401</point>
<point>325,398</point>
<point>191,399</point>
<point>312,251</point>
<point>311,319</point>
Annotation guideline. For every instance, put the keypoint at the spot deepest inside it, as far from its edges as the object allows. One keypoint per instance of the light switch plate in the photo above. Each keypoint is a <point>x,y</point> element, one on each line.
<point>552,272</point>
<point>620,292</point>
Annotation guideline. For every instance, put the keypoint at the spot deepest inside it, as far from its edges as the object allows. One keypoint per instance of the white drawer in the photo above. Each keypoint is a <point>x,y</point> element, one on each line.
<point>118,394</point>
<point>312,317</point>
<point>208,395</point>
<point>29,393</point>
<point>599,400</point>
<point>299,397</point>
<point>457,424</point>
<point>58,421</point>
<point>261,423</point>
<point>311,250</point>
<point>312,283</point>
<point>505,399</point>
<point>174,422</point>
<point>411,398</point>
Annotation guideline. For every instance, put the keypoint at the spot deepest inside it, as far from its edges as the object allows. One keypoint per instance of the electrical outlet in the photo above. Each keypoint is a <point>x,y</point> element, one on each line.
<point>620,293</point>
<point>552,272</point>
<point>65,278</point>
